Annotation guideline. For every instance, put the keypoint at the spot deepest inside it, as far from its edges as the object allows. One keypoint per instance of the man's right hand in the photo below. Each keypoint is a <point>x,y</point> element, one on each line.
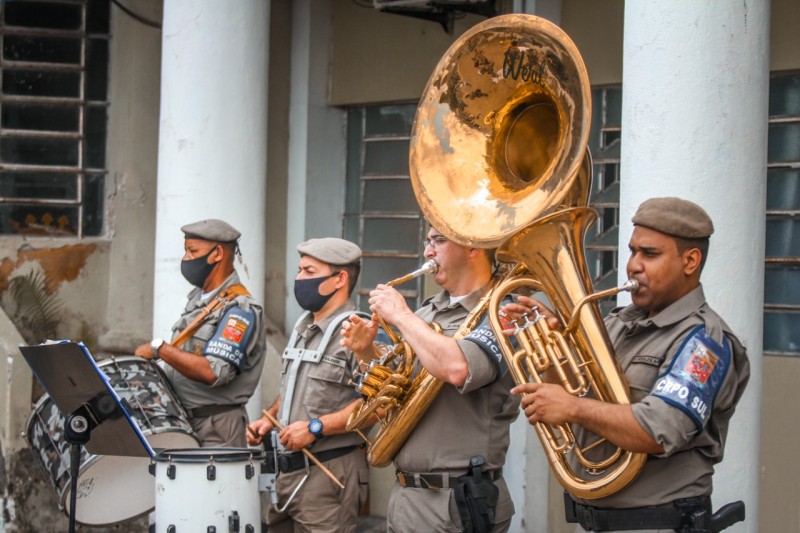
<point>256,430</point>
<point>358,336</point>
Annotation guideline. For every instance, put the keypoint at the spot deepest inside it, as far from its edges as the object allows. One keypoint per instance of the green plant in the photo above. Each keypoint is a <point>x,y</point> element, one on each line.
<point>37,311</point>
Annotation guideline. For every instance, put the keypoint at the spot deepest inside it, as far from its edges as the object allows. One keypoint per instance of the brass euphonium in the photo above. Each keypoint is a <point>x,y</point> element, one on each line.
<point>499,159</point>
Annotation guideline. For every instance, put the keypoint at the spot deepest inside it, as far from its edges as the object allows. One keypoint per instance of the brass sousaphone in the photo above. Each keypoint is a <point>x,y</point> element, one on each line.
<point>499,159</point>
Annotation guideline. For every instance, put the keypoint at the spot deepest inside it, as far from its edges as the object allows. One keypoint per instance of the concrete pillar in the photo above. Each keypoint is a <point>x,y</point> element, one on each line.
<point>694,124</point>
<point>317,144</point>
<point>212,139</point>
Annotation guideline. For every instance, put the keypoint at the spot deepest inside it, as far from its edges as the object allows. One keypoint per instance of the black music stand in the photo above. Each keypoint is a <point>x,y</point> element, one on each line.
<point>95,416</point>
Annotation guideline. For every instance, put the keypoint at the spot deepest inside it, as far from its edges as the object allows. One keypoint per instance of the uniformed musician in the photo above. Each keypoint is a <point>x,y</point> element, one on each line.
<point>316,398</point>
<point>686,370</point>
<point>450,470</point>
<point>215,358</point>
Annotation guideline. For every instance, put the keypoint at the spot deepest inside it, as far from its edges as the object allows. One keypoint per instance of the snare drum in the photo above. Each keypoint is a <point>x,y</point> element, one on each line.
<point>208,489</point>
<point>113,488</point>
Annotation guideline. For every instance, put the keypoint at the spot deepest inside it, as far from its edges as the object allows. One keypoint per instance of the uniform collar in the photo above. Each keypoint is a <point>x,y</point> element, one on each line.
<point>442,300</point>
<point>672,314</point>
<point>307,323</point>
<point>195,293</point>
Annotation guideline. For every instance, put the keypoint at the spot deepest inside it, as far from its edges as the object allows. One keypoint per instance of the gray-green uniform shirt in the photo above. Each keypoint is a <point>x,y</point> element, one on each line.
<point>646,349</point>
<point>233,341</point>
<point>323,387</point>
<point>459,424</point>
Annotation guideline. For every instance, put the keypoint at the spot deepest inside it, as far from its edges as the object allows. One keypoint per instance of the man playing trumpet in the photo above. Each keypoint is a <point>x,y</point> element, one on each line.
<point>465,431</point>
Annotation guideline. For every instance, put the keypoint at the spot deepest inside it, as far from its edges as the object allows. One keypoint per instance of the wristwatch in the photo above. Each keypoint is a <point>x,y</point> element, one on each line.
<point>315,427</point>
<point>155,344</point>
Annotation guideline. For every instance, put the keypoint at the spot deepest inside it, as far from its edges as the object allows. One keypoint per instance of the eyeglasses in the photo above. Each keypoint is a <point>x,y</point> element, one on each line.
<point>435,242</point>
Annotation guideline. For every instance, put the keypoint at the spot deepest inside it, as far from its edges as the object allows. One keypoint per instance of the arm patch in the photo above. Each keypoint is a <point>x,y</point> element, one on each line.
<point>695,376</point>
<point>484,337</point>
<point>233,334</point>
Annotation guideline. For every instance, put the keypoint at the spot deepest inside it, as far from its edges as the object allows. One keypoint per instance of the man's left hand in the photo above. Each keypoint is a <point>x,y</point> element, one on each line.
<point>546,402</point>
<point>296,436</point>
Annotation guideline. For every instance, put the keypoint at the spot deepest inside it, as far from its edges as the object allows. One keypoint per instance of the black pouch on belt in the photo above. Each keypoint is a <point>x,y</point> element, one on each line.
<point>476,498</point>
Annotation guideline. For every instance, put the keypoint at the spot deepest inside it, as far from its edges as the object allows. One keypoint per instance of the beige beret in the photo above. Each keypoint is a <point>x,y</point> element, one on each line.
<point>674,216</point>
<point>211,230</point>
<point>331,250</point>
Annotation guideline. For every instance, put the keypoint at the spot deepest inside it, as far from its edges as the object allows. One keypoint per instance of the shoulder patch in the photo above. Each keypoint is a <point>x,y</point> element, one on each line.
<point>230,341</point>
<point>695,376</point>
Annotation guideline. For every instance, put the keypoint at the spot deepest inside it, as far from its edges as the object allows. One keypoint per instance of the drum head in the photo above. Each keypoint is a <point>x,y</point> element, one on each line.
<point>110,487</point>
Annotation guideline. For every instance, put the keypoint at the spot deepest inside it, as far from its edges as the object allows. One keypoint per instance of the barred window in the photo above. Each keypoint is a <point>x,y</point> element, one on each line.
<point>604,145</point>
<point>53,116</point>
<point>782,270</point>
<point>381,212</point>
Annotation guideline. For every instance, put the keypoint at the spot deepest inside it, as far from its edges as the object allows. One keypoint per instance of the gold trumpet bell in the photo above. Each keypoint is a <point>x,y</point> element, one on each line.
<point>500,134</point>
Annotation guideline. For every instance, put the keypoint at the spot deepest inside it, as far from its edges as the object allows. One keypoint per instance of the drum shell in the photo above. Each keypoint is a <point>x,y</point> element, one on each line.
<point>113,488</point>
<point>190,499</point>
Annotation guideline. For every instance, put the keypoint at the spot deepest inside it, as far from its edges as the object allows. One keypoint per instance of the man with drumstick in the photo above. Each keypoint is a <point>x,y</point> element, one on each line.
<point>215,358</point>
<point>453,459</point>
<point>316,399</point>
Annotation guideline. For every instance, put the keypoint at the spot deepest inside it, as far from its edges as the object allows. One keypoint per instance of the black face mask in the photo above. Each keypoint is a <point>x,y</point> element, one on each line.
<point>196,271</point>
<point>306,292</point>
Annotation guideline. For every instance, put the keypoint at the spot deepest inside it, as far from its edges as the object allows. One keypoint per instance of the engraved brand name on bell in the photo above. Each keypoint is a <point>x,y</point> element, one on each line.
<point>522,66</point>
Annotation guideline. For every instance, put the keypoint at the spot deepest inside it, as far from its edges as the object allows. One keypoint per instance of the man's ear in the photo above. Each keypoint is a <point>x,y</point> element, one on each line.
<point>691,261</point>
<point>342,281</point>
<point>219,256</point>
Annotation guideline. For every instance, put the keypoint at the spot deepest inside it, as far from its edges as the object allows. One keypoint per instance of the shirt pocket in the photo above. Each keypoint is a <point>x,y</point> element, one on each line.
<point>200,338</point>
<point>641,375</point>
<point>328,385</point>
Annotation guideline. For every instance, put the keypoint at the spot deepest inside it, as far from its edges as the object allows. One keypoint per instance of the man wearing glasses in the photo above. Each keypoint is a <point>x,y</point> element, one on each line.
<point>449,471</point>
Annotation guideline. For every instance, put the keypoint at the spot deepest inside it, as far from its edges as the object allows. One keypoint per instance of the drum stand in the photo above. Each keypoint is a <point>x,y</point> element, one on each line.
<point>77,432</point>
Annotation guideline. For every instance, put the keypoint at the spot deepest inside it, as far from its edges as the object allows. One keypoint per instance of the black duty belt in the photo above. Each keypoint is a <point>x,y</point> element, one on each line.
<point>211,410</point>
<point>672,516</point>
<point>289,462</point>
<point>436,481</point>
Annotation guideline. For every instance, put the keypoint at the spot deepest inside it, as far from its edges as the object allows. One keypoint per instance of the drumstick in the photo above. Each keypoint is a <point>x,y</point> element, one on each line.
<point>305,451</point>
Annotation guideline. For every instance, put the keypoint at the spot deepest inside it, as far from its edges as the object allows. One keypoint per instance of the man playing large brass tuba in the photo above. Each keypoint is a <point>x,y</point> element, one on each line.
<point>465,431</point>
<point>686,371</point>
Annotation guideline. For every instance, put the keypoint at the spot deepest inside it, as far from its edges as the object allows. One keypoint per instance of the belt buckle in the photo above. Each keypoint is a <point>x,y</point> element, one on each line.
<point>430,484</point>
<point>401,478</point>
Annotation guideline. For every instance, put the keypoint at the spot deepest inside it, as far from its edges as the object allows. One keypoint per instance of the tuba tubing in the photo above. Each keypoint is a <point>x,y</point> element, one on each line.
<point>499,159</point>
<point>581,356</point>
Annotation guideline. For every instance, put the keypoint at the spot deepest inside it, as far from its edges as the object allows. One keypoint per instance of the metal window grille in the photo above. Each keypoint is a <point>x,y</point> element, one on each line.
<point>381,212</point>
<point>604,144</point>
<point>782,269</point>
<point>53,107</point>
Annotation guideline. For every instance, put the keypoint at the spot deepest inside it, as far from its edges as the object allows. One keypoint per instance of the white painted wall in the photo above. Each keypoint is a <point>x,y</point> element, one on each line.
<point>694,125</point>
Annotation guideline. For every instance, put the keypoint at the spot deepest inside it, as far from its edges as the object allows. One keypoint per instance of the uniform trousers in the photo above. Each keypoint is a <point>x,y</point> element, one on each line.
<point>320,506</point>
<point>415,510</point>
<point>223,430</point>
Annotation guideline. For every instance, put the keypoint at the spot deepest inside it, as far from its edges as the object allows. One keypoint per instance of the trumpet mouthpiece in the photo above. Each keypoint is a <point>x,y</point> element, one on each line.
<point>429,267</point>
